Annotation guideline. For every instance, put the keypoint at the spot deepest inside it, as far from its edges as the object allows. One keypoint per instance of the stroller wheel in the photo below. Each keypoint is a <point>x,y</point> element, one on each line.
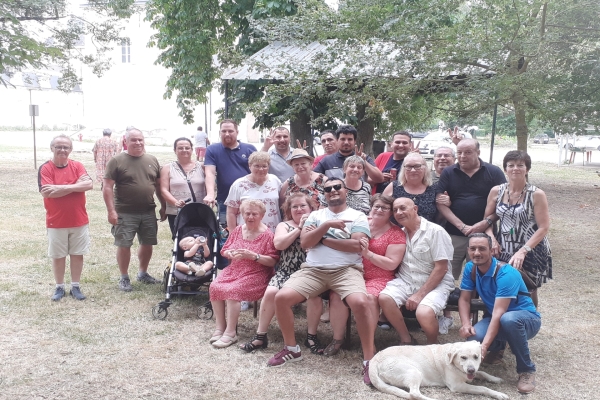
<point>205,312</point>
<point>159,312</point>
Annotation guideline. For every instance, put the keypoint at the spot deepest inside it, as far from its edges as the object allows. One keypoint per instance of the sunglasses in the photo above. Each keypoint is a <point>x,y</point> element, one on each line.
<point>328,189</point>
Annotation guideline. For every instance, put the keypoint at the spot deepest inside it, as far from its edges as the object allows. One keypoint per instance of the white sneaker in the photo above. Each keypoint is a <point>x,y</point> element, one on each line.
<point>445,324</point>
<point>246,306</point>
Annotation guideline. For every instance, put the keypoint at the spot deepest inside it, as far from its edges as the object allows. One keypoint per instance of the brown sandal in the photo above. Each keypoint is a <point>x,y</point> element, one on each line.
<point>333,348</point>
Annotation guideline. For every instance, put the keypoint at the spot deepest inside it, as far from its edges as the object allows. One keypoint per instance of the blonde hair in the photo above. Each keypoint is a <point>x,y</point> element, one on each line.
<point>253,203</point>
<point>426,176</point>
<point>259,156</point>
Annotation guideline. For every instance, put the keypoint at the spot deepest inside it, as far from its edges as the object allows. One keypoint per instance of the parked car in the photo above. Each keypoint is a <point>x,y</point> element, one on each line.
<point>541,139</point>
<point>587,142</point>
<point>430,143</point>
<point>418,135</point>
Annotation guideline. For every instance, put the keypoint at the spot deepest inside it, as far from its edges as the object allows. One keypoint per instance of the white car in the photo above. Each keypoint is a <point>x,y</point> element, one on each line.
<point>430,143</point>
<point>587,142</point>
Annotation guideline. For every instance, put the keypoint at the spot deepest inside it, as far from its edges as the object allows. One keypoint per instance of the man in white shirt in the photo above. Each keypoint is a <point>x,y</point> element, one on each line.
<point>202,143</point>
<point>424,280</point>
<point>333,262</point>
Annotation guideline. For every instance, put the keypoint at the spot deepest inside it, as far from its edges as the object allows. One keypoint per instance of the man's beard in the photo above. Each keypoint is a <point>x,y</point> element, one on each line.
<point>337,202</point>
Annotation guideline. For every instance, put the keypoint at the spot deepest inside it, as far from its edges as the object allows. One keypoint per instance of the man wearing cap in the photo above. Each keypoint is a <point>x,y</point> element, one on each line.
<point>104,149</point>
<point>277,144</point>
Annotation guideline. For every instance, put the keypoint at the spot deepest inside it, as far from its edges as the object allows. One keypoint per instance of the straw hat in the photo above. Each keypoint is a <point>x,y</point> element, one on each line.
<point>299,153</point>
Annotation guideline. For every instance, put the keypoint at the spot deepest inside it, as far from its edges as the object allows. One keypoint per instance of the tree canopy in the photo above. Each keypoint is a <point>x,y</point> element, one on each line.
<point>43,34</point>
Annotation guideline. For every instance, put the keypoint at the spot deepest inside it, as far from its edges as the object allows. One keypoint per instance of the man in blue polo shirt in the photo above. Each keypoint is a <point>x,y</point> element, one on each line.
<point>224,163</point>
<point>468,184</point>
<point>511,316</point>
<point>332,164</point>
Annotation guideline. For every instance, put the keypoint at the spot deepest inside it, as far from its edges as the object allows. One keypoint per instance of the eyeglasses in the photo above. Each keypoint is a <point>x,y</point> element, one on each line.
<point>415,167</point>
<point>328,189</point>
<point>382,208</point>
<point>62,147</point>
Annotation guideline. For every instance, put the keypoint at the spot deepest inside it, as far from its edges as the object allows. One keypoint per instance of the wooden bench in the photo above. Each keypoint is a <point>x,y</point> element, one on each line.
<point>476,306</point>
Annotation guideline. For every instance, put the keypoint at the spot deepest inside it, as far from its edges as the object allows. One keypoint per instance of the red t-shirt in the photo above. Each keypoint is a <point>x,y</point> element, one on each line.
<point>67,211</point>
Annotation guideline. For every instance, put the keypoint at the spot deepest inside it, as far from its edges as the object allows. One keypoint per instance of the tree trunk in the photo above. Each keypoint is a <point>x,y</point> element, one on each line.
<point>300,129</point>
<point>521,121</point>
<point>365,128</point>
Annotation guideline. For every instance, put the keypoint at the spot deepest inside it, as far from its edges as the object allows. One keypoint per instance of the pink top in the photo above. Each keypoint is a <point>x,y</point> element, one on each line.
<point>376,278</point>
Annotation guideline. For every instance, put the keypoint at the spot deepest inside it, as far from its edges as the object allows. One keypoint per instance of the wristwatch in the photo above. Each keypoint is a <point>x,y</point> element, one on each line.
<point>257,257</point>
<point>489,221</point>
<point>527,248</point>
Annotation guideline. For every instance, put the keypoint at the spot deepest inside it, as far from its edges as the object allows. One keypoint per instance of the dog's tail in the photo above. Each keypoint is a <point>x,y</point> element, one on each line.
<point>383,386</point>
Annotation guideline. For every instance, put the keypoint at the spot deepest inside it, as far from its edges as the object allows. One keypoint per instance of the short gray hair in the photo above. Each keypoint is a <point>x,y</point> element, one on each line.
<point>445,147</point>
<point>61,136</point>
<point>353,160</point>
<point>130,129</point>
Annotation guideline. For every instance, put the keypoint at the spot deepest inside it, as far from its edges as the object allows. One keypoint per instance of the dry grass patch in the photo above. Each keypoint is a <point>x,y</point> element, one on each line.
<point>109,346</point>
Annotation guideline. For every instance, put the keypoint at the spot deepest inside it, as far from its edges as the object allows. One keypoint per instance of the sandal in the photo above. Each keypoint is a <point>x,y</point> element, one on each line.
<point>316,347</point>
<point>333,348</point>
<point>259,337</point>
<point>225,341</point>
<point>413,342</point>
<point>216,336</point>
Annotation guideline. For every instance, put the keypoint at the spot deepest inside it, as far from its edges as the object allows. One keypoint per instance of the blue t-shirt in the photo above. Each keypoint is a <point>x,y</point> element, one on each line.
<point>507,284</point>
<point>331,165</point>
<point>391,164</point>
<point>231,164</point>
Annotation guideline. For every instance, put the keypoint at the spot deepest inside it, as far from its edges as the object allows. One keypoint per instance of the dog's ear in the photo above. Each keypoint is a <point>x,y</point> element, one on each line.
<point>450,356</point>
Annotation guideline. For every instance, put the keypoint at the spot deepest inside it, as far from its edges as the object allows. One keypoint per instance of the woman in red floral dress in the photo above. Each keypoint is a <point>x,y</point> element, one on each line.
<point>253,257</point>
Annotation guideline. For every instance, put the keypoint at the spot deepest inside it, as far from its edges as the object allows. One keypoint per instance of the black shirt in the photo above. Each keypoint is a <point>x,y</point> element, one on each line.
<point>469,194</point>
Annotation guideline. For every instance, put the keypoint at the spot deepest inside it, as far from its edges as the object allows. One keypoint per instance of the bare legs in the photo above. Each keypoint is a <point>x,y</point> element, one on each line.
<point>425,316</point>
<point>124,256</point>
<point>59,267</point>
<point>227,313</point>
<point>284,300</point>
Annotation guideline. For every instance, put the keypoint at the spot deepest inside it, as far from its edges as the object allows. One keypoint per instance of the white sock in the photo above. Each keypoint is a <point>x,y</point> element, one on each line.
<point>365,362</point>
<point>295,349</point>
<point>60,285</point>
<point>74,284</point>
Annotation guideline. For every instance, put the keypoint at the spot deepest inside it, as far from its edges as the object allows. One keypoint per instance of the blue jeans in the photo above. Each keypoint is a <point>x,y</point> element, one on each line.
<point>516,328</point>
<point>222,262</point>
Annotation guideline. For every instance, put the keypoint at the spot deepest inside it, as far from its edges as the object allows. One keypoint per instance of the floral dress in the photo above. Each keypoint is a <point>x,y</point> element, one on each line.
<point>243,188</point>
<point>105,149</point>
<point>289,262</point>
<point>245,280</point>
<point>376,278</point>
<point>425,201</point>
<point>314,190</point>
<point>517,225</point>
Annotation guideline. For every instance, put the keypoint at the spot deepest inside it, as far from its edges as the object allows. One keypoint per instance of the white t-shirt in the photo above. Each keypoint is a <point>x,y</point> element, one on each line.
<point>324,256</point>
<point>201,137</point>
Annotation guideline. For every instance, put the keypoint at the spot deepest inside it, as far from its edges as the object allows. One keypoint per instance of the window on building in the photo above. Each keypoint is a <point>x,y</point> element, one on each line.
<point>125,51</point>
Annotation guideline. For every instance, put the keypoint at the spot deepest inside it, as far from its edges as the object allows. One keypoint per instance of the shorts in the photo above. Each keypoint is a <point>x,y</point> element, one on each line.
<point>128,224</point>
<point>400,292</point>
<point>68,241</point>
<point>312,281</point>
<point>200,152</point>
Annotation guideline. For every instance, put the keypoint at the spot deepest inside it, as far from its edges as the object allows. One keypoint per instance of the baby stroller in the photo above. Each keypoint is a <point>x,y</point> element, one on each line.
<point>194,219</point>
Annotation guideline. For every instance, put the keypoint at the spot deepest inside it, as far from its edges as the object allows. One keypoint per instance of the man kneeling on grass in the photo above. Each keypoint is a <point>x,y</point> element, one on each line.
<point>513,319</point>
<point>334,262</point>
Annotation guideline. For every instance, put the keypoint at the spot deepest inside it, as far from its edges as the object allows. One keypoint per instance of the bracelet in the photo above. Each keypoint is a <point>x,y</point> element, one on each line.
<point>463,227</point>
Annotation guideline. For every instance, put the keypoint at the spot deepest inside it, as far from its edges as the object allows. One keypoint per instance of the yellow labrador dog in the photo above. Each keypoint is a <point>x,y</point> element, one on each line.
<point>453,365</point>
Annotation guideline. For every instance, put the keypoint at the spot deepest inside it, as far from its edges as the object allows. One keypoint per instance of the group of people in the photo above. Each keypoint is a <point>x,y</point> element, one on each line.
<point>370,235</point>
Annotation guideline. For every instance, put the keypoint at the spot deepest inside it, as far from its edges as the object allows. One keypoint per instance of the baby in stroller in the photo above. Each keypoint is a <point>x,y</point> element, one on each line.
<point>195,253</point>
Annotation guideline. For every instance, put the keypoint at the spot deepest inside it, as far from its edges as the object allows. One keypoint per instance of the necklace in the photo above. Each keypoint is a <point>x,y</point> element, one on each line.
<point>516,203</point>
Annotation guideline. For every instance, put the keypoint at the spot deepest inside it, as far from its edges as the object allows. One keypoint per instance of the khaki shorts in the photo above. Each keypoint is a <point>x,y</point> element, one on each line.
<point>400,292</point>
<point>129,224</point>
<point>312,281</point>
<point>68,241</point>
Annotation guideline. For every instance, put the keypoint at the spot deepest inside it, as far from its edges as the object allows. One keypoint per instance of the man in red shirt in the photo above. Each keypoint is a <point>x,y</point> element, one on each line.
<point>62,183</point>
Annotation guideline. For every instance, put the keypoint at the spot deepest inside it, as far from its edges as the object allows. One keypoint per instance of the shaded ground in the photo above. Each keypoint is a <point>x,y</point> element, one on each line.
<point>110,347</point>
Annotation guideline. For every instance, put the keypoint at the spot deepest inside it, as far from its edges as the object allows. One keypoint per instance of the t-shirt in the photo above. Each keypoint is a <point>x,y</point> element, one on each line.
<point>332,165</point>
<point>279,166</point>
<point>135,182</point>
<point>200,138</point>
<point>390,165</point>
<point>507,285</point>
<point>317,160</point>
<point>324,256</point>
<point>231,164</point>
<point>469,194</point>
<point>67,211</point>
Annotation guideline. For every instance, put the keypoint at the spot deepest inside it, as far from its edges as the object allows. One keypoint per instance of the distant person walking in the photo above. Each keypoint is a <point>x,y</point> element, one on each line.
<point>62,184</point>
<point>202,142</point>
<point>104,149</point>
